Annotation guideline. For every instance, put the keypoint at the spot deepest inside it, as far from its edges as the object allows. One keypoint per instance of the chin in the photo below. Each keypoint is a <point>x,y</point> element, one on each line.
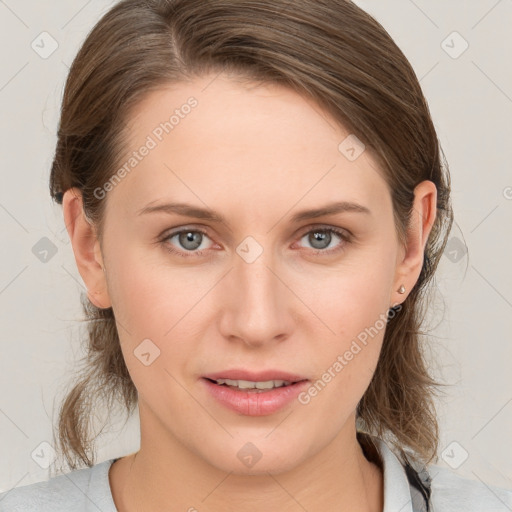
<point>255,458</point>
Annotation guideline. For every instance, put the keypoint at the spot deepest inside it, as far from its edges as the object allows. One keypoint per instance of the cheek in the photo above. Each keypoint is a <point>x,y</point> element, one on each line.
<point>350,297</point>
<point>346,364</point>
<point>353,304</point>
<point>167,306</point>
<point>150,298</point>
<point>155,337</point>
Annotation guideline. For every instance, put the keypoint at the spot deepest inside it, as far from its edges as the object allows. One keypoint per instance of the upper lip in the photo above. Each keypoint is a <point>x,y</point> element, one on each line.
<point>261,376</point>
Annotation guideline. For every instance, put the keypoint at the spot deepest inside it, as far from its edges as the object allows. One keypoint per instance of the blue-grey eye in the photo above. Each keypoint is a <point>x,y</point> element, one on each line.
<point>320,239</point>
<point>190,240</point>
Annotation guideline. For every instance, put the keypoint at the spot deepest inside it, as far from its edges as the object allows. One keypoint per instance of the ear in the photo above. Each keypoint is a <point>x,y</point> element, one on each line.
<point>410,261</point>
<point>86,248</point>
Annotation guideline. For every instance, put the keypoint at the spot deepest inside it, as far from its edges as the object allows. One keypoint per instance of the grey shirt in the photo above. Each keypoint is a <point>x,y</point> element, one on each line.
<point>88,490</point>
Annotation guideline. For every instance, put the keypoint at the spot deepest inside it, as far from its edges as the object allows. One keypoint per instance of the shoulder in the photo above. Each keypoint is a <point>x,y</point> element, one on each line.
<point>452,492</point>
<point>74,491</point>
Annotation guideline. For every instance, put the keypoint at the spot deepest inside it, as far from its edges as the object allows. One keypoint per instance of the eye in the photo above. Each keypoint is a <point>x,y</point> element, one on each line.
<point>187,240</point>
<point>322,237</point>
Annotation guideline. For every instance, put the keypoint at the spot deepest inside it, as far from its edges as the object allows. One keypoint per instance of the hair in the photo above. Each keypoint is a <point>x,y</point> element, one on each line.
<point>330,51</point>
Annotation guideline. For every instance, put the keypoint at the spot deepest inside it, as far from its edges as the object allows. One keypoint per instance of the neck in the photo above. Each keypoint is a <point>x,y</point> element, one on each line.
<point>163,473</point>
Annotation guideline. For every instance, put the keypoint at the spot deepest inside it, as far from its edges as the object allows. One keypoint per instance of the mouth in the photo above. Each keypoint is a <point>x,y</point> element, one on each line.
<point>259,394</point>
<point>253,386</point>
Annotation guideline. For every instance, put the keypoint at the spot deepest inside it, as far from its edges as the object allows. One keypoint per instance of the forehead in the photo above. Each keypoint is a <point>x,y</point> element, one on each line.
<point>251,144</point>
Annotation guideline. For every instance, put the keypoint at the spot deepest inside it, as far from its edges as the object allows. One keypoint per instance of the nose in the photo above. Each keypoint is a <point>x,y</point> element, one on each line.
<point>256,305</point>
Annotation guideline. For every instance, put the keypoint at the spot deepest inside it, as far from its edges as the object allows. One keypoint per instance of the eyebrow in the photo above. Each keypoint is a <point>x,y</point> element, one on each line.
<point>188,210</point>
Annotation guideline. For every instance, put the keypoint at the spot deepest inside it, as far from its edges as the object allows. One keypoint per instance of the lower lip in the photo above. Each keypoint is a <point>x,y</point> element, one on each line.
<point>251,403</point>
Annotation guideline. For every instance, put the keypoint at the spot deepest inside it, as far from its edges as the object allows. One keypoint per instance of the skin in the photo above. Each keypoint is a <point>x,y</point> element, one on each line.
<point>256,155</point>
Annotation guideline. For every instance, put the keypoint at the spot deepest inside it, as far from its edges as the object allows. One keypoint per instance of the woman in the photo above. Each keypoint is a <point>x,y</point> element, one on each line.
<point>256,201</point>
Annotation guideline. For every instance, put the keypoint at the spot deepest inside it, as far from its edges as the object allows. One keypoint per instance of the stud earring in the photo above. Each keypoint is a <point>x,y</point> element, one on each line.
<point>401,289</point>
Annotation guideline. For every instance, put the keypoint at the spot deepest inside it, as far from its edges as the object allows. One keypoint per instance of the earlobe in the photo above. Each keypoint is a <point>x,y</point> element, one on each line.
<point>422,219</point>
<point>86,248</point>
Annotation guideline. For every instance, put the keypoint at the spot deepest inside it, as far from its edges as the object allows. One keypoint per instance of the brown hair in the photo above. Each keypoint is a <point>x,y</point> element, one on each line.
<point>328,50</point>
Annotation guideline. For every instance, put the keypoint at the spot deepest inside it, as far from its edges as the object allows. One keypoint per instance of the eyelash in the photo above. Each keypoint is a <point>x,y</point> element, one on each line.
<point>345,236</point>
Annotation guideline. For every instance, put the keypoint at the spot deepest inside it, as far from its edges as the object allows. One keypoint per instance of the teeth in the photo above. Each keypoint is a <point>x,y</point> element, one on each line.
<point>246,384</point>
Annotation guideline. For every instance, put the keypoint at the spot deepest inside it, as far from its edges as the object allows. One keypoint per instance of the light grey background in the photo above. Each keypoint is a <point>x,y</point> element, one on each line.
<point>470,98</point>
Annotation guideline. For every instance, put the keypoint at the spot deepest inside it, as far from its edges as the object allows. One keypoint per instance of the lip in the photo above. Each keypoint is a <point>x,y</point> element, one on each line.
<point>254,403</point>
<point>262,376</point>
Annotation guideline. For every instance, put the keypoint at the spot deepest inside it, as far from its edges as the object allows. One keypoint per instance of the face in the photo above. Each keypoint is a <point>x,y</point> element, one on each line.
<point>259,286</point>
